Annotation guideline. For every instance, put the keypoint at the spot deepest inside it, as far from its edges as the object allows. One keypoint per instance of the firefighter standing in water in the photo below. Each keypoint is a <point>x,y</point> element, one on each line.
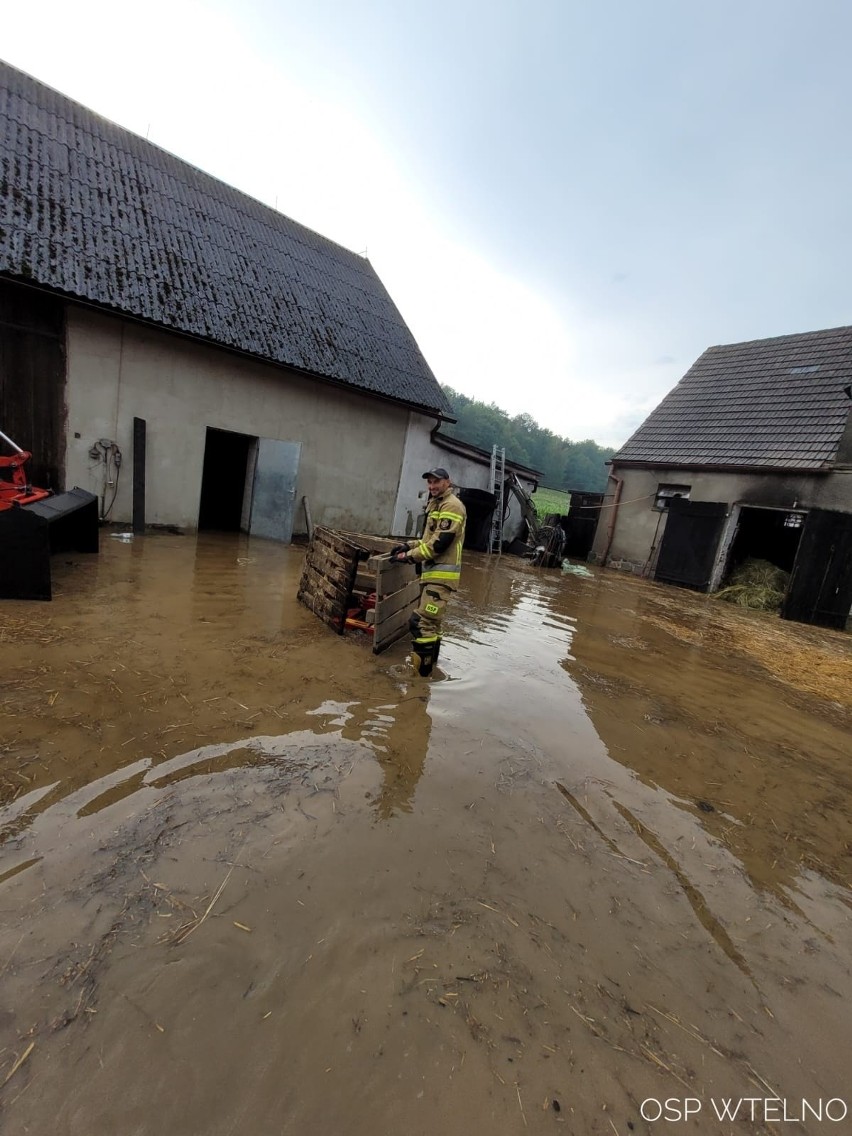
<point>439,553</point>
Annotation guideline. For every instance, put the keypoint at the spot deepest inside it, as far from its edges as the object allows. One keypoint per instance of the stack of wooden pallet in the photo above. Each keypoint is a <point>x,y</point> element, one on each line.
<point>345,572</point>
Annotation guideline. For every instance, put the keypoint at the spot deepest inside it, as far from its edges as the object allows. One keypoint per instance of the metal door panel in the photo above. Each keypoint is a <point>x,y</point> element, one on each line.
<point>274,489</point>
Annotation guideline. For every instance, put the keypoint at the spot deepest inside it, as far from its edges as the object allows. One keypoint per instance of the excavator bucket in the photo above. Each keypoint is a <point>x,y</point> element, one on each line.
<point>30,534</point>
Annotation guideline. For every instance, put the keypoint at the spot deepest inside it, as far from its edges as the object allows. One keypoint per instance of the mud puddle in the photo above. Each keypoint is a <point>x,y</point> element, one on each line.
<point>255,879</point>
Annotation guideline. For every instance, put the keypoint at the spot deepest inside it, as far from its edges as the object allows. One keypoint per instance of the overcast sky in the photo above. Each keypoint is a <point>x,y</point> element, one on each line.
<point>568,200</point>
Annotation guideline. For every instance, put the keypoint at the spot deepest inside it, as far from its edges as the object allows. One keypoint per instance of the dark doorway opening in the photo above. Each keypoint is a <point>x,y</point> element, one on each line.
<point>480,505</point>
<point>581,523</point>
<point>767,534</point>
<point>820,590</point>
<point>223,480</point>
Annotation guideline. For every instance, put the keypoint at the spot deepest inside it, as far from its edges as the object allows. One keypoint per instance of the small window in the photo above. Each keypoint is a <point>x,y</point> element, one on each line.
<point>665,493</point>
<point>793,520</point>
<point>811,370</point>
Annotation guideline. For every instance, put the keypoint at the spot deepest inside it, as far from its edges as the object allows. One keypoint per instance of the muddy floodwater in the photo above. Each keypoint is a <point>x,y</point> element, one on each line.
<point>593,877</point>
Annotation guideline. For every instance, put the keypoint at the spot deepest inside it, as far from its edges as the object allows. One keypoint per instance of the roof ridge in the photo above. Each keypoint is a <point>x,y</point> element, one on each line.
<point>786,337</point>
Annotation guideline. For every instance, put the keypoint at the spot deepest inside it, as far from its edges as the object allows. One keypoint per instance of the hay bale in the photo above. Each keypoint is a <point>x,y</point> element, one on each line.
<point>756,584</point>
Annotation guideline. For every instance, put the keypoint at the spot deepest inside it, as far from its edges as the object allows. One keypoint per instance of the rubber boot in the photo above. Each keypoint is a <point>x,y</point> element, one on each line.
<point>424,652</point>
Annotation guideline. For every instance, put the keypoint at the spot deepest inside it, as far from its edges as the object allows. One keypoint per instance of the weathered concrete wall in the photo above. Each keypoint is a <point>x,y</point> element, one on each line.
<point>420,455</point>
<point>352,445</point>
<point>639,526</point>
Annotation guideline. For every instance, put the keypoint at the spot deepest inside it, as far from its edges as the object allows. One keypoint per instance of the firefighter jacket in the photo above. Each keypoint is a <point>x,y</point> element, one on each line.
<point>439,550</point>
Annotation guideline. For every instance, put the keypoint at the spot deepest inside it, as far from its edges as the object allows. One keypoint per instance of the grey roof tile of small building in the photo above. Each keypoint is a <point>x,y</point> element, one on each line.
<point>768,403</point>
<point>98,213</point>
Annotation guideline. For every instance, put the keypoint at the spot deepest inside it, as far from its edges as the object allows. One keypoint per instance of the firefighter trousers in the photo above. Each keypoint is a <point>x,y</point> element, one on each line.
<point>426,621</point>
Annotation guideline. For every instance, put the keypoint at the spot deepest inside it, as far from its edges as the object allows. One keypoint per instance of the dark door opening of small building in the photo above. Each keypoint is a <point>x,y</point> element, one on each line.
<point>581,523</point>
<point>223,480</point>
<point>820,590</point>
<point>766,534</point>
<point>689,544</point>
<point>480,506</point>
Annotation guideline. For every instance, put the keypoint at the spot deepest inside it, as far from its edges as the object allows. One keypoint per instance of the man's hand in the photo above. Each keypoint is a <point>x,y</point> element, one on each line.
<point>398,551</point>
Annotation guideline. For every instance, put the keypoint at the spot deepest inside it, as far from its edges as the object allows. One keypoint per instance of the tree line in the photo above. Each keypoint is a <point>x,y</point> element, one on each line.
<point>563,464</point>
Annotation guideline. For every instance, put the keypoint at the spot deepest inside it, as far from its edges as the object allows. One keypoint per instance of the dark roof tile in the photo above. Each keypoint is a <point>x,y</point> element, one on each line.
<point>767,403</point>
<point>98,213</point>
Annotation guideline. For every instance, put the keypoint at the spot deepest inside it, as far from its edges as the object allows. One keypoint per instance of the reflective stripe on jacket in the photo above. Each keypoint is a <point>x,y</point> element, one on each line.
<point>445,516</point>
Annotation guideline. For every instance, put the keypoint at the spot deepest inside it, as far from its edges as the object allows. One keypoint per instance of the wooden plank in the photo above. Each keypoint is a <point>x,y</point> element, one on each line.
<point>337,593</point>
<point>318,585</point>
<point>390,577</point>
<point>338,541</point>
<point>331,563</point>
<point>333,584</point>
<point>332,566</point>
<point>383,545</point>
<point>325,587</point>
<point>321,573</point>
<point>373,543</point>
<point>327,615</point>
<point>365,544</point>
<point>337,579</point>
<point>322,590</point>
<point>338,564</point>
<point>365,581</point>
<point>392,629</point>
<point>317,604</point>
<point>407,597</point>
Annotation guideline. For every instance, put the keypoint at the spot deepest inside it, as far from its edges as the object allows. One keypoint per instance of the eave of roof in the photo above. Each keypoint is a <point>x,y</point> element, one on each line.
<point>474,453</point>
<point>721,468</point>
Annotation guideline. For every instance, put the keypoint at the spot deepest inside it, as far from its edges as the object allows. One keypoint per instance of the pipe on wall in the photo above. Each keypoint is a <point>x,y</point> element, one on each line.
<point>610,533</point>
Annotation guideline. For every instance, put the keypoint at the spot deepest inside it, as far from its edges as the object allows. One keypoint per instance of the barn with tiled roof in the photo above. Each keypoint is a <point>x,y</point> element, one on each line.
<point>748,458</point>
<point>135,286</point>
<point>768,404</point>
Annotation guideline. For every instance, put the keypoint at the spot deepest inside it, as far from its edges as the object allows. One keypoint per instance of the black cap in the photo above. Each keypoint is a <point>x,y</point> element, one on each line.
<point>438,471</point>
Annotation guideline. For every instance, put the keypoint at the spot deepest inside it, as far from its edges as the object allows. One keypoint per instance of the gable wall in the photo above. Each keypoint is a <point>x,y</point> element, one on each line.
<point>352,446</point>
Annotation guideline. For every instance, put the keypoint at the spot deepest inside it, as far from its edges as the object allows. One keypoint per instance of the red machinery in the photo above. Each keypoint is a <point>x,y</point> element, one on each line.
<point>14,488</point>
<point>34,524</point>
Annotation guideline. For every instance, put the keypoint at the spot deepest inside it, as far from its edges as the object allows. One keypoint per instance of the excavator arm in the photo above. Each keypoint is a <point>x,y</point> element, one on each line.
<point>527,507</point>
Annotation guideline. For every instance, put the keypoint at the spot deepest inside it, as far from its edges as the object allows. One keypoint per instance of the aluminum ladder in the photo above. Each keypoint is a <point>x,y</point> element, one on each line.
<point>496,481</point>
